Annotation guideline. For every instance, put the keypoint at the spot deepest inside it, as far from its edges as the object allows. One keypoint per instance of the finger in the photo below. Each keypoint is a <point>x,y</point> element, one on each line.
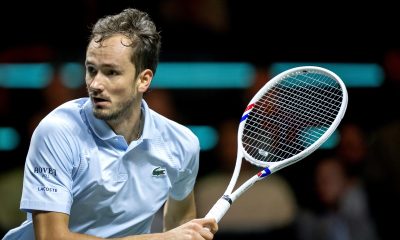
<point>205,221</point>
<point>210,224</point>
<point>206,234</point>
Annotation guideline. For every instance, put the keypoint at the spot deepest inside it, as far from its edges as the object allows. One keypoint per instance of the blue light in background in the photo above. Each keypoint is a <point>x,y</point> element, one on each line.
<point>332,141</point>
<point>203,75</point>
<point>207,135</point>
<point>72,74</point>
<point>312,134</point>
<point>9,139</point>
<point>352,74</point>
<point>25,75</point>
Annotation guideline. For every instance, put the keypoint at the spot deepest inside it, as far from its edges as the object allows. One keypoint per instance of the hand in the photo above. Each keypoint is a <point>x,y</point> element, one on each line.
<point>203,228</point>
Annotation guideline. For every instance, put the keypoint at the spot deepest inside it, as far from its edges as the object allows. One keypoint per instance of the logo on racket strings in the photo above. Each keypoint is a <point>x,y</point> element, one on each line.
<point>263,152</point>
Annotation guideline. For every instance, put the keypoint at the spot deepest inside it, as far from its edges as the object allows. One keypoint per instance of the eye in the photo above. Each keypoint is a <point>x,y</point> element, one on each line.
<point>112,72</point>
<point>91,70</point>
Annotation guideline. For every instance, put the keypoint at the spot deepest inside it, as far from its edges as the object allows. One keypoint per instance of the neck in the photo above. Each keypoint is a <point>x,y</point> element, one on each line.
<point>130,127</point>
<point>139,127</point>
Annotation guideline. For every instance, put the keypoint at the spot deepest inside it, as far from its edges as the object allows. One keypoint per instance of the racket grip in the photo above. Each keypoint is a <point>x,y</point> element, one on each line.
<point>219,209</point>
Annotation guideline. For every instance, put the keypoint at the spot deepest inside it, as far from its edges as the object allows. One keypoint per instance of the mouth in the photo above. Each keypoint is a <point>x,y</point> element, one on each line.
<point>100,102</point>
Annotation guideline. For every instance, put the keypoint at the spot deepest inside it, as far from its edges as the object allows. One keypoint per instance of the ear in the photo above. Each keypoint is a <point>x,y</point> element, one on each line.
<point>144,80</point>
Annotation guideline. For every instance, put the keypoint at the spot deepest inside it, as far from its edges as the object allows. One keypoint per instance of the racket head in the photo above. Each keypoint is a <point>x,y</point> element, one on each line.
<point>291,116</point>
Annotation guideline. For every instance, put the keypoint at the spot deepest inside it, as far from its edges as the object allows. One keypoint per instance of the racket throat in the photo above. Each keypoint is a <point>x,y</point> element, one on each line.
<point>227,198</point>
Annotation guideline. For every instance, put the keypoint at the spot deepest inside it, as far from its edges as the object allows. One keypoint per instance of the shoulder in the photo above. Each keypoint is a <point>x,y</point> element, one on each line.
<point>66,118</point>
<point>176,134</point>
<point>60,135</point>
<point>171,128</point>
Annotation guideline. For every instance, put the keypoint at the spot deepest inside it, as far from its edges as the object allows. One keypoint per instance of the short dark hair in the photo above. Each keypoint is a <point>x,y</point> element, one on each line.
<point>139,28</point>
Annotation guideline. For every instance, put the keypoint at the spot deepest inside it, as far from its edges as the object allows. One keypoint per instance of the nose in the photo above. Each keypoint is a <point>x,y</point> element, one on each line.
<point>95,83</point>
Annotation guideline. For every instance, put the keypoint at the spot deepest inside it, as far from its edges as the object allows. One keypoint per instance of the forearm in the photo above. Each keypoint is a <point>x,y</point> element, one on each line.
<point>154,236</point>
<point>78,236</point>
<point>54,226</point>
<point>172,221</point>
<point>177,213</point>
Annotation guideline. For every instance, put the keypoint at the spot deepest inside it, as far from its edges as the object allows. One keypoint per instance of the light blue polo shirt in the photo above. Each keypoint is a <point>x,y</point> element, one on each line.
<point>77,165</point>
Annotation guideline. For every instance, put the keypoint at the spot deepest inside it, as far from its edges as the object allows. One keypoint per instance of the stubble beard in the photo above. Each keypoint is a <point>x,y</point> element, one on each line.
<point>116,112</point>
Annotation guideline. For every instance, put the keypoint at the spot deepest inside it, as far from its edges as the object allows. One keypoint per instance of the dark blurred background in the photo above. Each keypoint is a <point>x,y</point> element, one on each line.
<point>256,32</point>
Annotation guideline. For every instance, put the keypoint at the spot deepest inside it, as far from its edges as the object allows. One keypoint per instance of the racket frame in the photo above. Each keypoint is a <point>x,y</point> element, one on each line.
<point>275,166</point>
<point>223,204</point>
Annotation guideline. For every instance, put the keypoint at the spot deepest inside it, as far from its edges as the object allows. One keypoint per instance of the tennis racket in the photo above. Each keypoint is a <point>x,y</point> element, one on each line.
<point>286,120</point>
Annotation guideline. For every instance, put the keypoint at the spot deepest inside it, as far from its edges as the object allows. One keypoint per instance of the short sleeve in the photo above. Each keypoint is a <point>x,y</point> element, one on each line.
<point>47,181</point>
<point>187,175</point>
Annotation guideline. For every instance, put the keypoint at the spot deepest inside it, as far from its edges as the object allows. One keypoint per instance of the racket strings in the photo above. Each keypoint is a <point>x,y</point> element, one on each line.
<point>297,107</point>
<point>288,109</point>
<point>291,116</point>
<point>318,101</point>
<point>288,136</point>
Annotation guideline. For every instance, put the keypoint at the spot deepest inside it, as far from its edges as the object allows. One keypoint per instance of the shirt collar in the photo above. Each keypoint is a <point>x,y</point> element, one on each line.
<point>149,129</point>
<point>103,130</point>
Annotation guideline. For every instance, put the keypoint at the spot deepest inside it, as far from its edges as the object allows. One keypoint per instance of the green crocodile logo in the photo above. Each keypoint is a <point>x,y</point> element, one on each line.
<point>158,171</point>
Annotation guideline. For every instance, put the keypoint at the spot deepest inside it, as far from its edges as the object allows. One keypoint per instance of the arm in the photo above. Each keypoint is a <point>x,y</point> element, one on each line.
<point>179,212</point>
<point>54,226</point>
<point>179,218</point>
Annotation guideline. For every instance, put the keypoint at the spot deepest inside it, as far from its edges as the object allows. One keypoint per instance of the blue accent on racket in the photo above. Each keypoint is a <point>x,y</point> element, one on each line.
<point>263,173</point>
<point>244,117</point>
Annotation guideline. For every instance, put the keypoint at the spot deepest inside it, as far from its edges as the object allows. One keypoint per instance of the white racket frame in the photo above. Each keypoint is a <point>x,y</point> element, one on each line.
<point>223,204</point>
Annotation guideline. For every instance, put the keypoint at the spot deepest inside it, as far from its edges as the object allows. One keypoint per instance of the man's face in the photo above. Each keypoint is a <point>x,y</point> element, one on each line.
<point>110,78</point>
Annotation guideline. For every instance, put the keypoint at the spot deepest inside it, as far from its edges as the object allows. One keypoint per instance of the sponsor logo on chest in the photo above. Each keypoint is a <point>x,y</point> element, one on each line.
<point>158,172</point>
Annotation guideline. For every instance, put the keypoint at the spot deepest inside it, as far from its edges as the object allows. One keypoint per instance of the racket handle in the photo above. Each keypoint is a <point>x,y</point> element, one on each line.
<point>220,208</point>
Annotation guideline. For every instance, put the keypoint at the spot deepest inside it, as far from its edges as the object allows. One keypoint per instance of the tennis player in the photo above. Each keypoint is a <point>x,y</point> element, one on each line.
<point>100,167</point>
